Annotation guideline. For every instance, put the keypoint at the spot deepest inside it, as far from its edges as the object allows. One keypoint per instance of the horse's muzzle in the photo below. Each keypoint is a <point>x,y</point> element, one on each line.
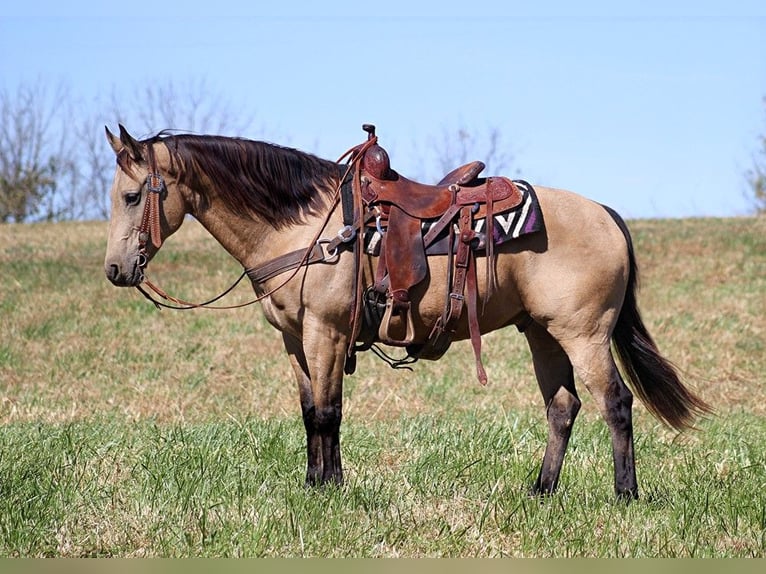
<point>123,278</point>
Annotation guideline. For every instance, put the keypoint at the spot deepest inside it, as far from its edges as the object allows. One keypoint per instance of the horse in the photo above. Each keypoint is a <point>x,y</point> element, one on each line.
<point>569,288</point>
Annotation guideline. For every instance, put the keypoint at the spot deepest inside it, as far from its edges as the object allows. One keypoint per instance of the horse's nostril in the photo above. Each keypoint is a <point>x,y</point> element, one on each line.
<point>112,272</point>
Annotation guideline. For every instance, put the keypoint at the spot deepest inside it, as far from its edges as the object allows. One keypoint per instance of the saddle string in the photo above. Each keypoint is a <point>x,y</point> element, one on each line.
<point>394,363</point>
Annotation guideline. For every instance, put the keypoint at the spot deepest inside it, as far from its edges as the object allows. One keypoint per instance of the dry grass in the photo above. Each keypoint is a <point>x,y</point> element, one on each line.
<point>74,347</point>
<point>704,296</point>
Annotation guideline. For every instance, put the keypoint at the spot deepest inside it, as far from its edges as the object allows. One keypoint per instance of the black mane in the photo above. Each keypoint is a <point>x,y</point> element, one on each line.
<point>278,184</point>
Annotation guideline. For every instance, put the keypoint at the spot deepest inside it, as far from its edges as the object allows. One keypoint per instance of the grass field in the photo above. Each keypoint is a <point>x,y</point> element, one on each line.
<point>132,432</point>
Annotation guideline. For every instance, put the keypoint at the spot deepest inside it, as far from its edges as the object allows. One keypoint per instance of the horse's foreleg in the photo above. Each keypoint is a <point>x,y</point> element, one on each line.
<point>313,438</point>
<point>320,358</point>
<point>555,378</point>
<point>326,354</point>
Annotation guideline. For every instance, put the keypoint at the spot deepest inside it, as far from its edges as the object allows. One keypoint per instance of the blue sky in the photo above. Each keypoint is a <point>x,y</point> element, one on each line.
<point>653,107</point>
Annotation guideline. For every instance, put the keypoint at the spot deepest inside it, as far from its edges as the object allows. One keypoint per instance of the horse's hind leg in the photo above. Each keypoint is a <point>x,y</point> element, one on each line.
<point>556,380</point>
<point>594,364</point>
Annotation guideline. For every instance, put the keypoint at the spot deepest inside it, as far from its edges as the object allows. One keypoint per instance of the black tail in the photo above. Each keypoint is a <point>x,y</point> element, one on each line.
<point>652,377</point>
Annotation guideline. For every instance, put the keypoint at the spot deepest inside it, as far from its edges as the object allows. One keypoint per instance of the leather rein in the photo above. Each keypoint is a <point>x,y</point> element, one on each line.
<point>319,251</point>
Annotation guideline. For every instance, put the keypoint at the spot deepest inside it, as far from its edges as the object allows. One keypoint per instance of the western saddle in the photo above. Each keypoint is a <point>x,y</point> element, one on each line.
<point>397,208</point>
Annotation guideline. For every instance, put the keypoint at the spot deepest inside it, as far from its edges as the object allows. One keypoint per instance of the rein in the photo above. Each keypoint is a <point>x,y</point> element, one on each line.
<point>319,251</point>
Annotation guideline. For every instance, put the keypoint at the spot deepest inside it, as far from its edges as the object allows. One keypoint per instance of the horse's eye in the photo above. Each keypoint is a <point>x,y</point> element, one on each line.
<point>132,198</point>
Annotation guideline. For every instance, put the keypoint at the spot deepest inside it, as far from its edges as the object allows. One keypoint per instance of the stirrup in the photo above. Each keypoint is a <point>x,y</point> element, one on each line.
<point>384,331</point>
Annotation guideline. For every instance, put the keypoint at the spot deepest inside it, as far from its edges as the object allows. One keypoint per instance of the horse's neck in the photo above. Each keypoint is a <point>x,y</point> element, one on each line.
<point>252,241</point>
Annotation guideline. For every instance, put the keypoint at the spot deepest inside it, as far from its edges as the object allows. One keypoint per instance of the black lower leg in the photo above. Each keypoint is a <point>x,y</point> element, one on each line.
<point>561,413</point>
<point>328,426</point>
<point>620,422</point>
<point>313,448</point>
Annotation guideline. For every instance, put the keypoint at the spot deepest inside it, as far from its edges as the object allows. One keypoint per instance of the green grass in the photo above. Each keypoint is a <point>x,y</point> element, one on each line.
<point>125,431</point>
<point>454,488</point>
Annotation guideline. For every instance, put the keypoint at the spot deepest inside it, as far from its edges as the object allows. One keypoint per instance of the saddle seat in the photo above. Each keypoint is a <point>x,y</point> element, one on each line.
<point>463,175</point>
<point>423,201</point>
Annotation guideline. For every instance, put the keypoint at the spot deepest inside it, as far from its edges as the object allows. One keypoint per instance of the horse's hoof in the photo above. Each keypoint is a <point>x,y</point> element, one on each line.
<point>627,496</point>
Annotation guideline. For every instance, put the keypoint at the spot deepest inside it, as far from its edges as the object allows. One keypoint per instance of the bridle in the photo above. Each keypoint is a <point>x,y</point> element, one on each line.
<point>319,251</point>
<point>150,231</point>
<point>150,220</point>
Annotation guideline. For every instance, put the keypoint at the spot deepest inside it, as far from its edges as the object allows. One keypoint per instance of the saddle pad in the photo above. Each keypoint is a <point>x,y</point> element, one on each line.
<point>524,219</point>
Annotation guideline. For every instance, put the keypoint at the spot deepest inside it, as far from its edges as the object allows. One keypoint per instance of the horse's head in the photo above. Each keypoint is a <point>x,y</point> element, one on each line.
<point>147,207</point>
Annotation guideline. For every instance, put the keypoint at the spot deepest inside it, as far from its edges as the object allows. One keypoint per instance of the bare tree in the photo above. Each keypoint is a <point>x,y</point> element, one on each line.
<point>54,161</point>
<point>95,167</point>
<point>756,176</point>
<point>32,158</point>
<point>193,107</point>
<point>189,107</point>
<point>457,146</point>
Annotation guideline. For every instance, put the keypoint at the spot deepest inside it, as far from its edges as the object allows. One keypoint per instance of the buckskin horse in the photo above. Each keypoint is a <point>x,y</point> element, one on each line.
<point>569,284</point>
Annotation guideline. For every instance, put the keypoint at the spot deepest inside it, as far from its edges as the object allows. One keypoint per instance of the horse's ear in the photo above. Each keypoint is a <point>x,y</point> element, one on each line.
<point>113,140</point>
<point>131,144</point>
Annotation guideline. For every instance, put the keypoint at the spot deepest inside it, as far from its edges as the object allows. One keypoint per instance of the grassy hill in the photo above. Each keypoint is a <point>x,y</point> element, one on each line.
<point>128,431</point>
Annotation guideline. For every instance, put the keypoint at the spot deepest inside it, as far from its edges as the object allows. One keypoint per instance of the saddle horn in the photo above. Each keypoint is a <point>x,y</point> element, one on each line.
<point>376,161</point>
<point>370,129</point>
